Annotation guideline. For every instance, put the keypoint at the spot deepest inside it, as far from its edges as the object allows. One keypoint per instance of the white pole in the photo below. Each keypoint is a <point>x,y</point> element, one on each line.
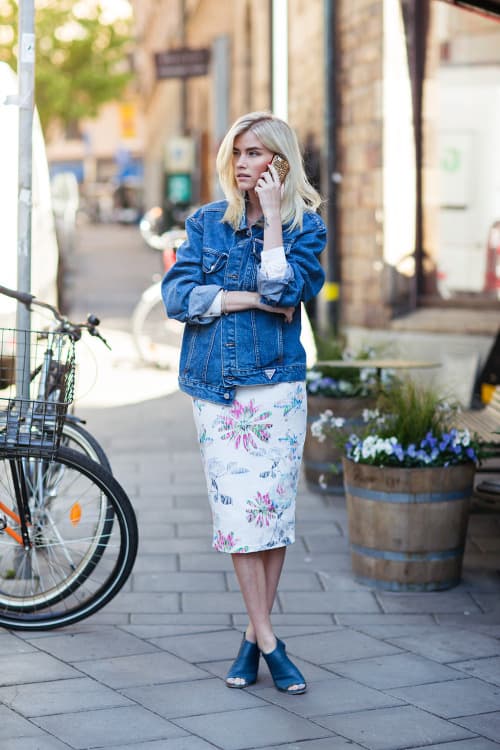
<point>26,83</point>
<point>279,62</point>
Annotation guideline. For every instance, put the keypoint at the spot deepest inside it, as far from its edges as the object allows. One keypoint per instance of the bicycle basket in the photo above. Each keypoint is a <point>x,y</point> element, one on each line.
<point>31,423</point>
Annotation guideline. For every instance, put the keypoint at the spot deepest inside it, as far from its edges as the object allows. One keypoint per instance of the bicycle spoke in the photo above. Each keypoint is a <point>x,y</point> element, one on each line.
<point>78,553</point>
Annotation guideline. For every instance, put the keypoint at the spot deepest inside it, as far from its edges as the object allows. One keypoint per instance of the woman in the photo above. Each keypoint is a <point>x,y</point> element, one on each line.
<point>238,282</point>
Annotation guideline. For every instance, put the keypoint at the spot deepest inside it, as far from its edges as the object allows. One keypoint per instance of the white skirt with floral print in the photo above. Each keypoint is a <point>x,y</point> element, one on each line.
<point>251,452</point>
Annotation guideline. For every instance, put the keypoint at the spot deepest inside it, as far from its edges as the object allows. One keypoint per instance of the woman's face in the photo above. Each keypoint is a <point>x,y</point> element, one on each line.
<point>250,159</point>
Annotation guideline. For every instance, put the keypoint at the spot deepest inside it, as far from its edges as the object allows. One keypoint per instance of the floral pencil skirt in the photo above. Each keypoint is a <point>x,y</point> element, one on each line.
<point>252,451</point>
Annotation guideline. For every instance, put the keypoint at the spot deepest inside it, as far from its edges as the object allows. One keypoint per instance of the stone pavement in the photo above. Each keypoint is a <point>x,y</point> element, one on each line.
<point>385,671</point>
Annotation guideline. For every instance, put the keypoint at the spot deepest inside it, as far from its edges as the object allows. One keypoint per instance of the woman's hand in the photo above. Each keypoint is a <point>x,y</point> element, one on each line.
<point>287,312</point>
<point>269,191</point>
<point>237,301</point>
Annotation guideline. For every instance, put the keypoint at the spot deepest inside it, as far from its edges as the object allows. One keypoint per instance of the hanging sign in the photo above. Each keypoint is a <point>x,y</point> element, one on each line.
<point>182,63</point>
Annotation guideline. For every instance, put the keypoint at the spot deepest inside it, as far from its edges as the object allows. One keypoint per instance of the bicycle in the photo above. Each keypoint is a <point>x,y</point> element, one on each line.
<point>74,435</point>
<point>156,337</point>
<point>68,533</point>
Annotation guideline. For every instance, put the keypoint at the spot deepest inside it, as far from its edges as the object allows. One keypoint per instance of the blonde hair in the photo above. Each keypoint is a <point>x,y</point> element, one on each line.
<point>276,135</point>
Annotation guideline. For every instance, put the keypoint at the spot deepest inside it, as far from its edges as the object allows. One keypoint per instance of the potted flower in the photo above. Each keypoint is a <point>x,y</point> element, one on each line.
<point>343,391</point>
<point>408,479</point>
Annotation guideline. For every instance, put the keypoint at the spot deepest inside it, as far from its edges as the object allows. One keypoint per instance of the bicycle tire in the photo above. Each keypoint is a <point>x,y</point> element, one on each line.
<point>156,338</point>
<point>75,588</point>
<point>76,437</point>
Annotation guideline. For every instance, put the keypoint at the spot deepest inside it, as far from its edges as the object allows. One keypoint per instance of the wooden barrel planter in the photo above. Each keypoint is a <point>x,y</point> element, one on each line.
<point>407,527</point>
<point>325,459</point>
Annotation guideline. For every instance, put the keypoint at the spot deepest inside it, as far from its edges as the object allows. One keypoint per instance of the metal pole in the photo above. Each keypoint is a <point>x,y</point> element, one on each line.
<point>329,300</point>
<point>26,83</point>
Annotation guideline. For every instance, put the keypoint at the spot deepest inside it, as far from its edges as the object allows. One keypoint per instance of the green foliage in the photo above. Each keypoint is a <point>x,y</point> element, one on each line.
<point>412,426</point>
<point>415,410</point>
<point>81,61</point>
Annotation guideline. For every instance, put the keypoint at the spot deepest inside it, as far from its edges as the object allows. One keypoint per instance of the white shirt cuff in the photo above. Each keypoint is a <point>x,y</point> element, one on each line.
<point>215,308</point>
<point>273,262</point>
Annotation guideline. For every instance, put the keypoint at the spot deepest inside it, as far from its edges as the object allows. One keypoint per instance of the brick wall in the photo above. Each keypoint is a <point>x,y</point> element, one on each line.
<point>359,230</point>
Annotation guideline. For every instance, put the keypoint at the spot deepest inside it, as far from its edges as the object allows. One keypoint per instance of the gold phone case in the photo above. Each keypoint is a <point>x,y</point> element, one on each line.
<point>281,166</point>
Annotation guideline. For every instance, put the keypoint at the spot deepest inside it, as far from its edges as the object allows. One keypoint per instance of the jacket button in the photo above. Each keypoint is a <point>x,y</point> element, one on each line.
<point>226,396</point>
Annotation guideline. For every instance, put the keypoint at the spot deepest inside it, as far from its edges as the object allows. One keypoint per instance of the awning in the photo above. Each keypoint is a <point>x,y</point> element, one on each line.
<point>487,7</point>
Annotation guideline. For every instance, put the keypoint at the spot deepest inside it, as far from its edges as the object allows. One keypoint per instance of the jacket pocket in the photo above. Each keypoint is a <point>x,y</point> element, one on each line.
<point>213,260</point>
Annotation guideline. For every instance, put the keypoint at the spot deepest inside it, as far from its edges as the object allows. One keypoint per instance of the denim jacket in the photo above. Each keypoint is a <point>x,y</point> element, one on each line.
<point>252,347</point>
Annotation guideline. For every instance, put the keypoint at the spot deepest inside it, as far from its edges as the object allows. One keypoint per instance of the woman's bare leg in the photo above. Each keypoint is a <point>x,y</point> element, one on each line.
<point>273,565</point>
<point>258,575</point>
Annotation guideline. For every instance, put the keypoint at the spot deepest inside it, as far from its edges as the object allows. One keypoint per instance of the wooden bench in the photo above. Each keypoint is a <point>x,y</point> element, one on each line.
<point>485,423</point>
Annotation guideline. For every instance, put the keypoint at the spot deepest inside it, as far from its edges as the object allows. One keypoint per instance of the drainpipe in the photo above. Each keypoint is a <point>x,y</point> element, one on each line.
<point>329,307</point>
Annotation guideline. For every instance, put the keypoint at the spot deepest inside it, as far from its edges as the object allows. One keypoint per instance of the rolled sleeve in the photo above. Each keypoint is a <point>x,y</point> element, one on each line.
<point>201,308</point>
<point>304,275</point>
<point>273,262</point>
<point>185,296</point>
<point>271,289</point>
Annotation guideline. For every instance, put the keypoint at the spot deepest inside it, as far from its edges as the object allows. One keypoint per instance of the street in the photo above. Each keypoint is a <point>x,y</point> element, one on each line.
<point>385,671</point>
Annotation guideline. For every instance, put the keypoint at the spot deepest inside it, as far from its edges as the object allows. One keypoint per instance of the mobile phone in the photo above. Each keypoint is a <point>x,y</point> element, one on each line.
<point>281,166</point>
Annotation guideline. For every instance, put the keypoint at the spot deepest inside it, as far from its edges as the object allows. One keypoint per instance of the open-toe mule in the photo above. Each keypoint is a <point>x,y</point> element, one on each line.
<point>245,666</point>
<point>283,671</point>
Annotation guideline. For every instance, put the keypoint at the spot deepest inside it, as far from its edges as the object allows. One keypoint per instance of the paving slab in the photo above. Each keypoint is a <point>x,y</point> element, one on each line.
<point>134,602</point>
<point>335,602</point>
<point>486,724</point>
<point>291,618</point>
<point>383,618</point>
<point>393,728</point>
<point>16,669</point>
<point>192,698</point>
<point>179,582</point>
<point>155,564</point>
<point>488,602</point>
<point>13,726</point>
<point>78,647</point>
<point>228,601</point>
<point>108,727</point>
<point>40,742</point>
<point>189,742</point>
<point>330,743</point>
<point>339,645</point>
<point>201,647</point>
<point>160,631</point>
<point>57,697</point>
<point>252,728</point>
<point>476,743</point>
<point>396,670</point>
<point>180,618</point>
<point>144,669</point>
<point>453,698</point>
<point>156,530</point>
<point>449,646</point>
<point>437,601</point>
<point>484,669</point>
<point>291,580</point>
<point>13,644</point>
<point>334,696</point>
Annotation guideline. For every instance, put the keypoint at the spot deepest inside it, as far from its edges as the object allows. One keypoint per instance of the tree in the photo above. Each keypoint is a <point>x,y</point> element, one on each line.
<point>81,56</point>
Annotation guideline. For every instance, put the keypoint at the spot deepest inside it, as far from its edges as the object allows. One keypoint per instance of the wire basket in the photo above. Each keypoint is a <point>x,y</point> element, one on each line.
<point>43,365</point>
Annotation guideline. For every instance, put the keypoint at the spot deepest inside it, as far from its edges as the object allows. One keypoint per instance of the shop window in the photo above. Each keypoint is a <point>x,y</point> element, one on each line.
<point>468,152</point>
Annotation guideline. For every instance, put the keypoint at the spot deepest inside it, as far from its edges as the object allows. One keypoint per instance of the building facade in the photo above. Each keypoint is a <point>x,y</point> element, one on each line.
<point>412,193</point>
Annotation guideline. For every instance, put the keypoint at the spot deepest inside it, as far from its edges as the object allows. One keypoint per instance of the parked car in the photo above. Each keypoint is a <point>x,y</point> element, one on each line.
<point>44,253</point>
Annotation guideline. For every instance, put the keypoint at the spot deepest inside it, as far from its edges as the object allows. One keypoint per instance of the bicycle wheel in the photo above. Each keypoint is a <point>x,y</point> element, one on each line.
<point>156,338</point>
<point>83,541</point>
<point>76,437</point>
